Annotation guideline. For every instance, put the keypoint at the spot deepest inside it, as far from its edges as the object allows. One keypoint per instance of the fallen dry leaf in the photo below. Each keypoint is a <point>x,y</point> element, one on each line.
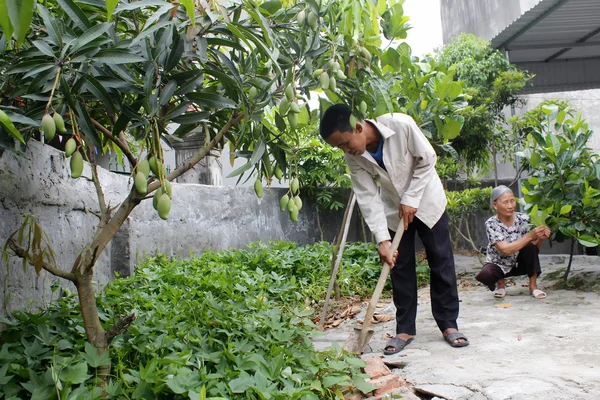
<point>503,305</point>
<point>383,317</point>
<point>337,322</point>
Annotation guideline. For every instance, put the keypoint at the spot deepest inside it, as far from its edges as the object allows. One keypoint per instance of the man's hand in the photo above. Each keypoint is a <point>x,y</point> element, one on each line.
<point>408,213</point>
<point>384,253</point>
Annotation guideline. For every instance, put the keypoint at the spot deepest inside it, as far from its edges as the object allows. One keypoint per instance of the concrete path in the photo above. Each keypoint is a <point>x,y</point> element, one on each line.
<point>521,348</point>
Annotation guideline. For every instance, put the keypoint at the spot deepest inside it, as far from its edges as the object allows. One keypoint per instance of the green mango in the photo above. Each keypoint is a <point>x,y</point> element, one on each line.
<point>153,162</point>
<point>363,107</point>
<point>253,92</point>
<point>140,182</point>
<point>293,120</point>
<point>70,147</point>
<point>332,84</point>
<point>258,188</point>
<point>278,173</point>
<point>164,206</point>
<point>301,18</point>
<point>298,202</point>
<point>76,165</point>
<point>294,215</point>
<point>156,197</point>
<point>144,167</point>
<point>289,92</point>
<point>294,108</point>
<point>59,122</point>
<point>313,21</point>
<point>283,202</point>
<point>48,127</point>
<point>284,106</point>
<point>295,185</point>
<point>324,80</point>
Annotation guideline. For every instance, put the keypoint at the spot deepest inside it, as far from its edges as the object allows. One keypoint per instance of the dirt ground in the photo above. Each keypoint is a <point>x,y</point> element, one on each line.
<point>521,348</point>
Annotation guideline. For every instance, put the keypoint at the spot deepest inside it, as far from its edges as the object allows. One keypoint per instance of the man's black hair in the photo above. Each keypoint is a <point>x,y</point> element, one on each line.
<point>336,119</point>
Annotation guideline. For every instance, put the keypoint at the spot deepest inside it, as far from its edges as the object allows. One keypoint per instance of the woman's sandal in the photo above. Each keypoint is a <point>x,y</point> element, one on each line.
<point>538,294</point>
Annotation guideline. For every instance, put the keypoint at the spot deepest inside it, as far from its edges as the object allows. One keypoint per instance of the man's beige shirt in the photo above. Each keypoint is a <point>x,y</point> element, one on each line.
<point>411,178</point>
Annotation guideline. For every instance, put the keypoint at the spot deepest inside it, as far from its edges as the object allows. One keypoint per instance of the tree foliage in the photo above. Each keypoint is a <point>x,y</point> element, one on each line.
<point>562,189</point>
<point>491,83</point>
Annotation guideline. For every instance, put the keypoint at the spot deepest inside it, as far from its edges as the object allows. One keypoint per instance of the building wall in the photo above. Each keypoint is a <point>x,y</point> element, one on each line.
<point>202,217</point>
<point>483,18</point>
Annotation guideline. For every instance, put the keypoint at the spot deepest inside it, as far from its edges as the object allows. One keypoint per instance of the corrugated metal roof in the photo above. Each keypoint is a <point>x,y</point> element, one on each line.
<point>553,30</point>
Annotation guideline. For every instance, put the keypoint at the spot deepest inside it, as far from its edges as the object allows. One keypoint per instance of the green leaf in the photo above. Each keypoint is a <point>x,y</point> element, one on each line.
<point>94,359</point>
<point>134,5</point>
<point>190,10</point>
<point>211,100</point>
<point>76,374</point>
<point>362,385</point>
<point>242,383</point>
<point>90,35</point>
<point>110,7</point>
<point>535,159</point>
<point>331,380</point>
<point>44,48</point>
<point>549,109</point>
<point>20,13</point>
<point>565,209</point>
<point>193,117</point>
<point>588,241</point>
<point>176,52</point>
<point>117,56</point>
<point>5,23</point>
<point>264,25</point>
<point>50,24</point>
<point>12,130</point>
<point>75,13</point>
<point>100,92</point>
<point>452,126</point>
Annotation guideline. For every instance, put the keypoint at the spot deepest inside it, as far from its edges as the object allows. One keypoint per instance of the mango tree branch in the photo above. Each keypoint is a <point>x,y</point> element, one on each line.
<point>20,252</point>
<point>119,327</point>
<point>189,163</point>
<point>99,191</point>
<point>122,144</point>
<point>104,235</point>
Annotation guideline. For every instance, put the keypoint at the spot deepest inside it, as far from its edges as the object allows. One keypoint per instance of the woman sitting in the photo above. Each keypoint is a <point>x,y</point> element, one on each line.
<point>513,246</point>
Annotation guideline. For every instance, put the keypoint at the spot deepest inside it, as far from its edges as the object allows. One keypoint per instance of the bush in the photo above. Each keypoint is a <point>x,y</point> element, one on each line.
<point>230,324</point>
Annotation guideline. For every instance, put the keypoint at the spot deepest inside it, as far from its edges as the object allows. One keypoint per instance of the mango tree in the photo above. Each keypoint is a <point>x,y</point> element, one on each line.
<point>564,174</point>
<point>119,74</point>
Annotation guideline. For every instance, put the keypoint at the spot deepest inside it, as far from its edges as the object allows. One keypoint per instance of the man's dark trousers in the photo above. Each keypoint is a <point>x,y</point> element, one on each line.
<point>444,293</point>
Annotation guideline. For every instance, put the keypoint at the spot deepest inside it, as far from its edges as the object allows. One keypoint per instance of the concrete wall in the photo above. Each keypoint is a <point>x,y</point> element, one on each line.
<point>202,217</point>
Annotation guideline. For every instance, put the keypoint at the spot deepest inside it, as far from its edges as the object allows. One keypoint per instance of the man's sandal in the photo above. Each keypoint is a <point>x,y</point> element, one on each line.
<point>500,293</point>
<point>451,338</point>
<point>396,344</point>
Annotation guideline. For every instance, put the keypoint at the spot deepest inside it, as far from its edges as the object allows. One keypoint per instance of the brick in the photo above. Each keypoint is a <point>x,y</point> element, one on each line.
<point>386,384</point>
<point>376,368</point>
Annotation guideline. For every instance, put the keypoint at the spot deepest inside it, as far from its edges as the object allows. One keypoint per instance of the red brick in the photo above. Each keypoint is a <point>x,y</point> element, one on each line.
<point>376,368</point>
<point>386,384</point>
